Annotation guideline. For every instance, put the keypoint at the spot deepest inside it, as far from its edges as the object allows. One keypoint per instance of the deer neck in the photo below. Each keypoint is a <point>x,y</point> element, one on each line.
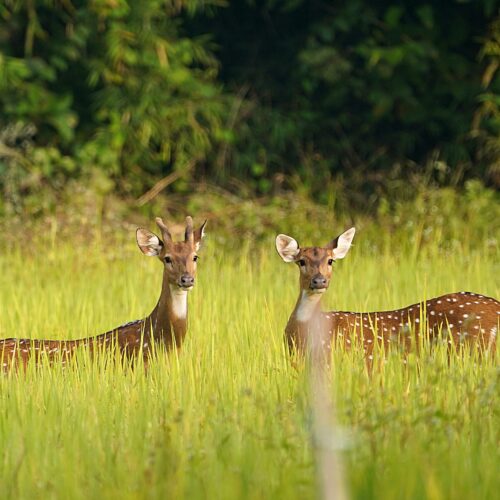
<point>306,314</point>
<point>168,320</point>
<point>307,306</point>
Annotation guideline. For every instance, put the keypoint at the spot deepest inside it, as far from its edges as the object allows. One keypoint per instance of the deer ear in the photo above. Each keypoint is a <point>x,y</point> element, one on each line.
<point>341,244</point>
<point>199,234</point>
<point>148,242</point>
<point>287,247</point>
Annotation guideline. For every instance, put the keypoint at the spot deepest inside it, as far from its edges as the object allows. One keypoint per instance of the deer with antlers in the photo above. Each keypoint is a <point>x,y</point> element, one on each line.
<point>459,319</point>
<point>166,326</point>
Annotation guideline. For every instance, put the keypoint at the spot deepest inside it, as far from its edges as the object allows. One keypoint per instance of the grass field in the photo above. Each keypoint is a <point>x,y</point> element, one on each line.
<point>228,417</point>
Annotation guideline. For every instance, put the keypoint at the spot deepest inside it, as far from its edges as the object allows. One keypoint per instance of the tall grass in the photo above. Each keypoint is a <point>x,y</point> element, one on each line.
<point>228,416</point>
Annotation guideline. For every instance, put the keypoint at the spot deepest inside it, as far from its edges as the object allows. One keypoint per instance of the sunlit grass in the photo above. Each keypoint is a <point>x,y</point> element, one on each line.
<point>228,417</point>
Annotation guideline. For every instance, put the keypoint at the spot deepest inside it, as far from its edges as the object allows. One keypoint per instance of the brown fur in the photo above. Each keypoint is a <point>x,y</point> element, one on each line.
<point>457,319</point>
<point>160,329</point>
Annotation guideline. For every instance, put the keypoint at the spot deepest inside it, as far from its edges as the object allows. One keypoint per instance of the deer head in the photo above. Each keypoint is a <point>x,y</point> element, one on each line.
<point>315,263</point>
<point>179,258</point>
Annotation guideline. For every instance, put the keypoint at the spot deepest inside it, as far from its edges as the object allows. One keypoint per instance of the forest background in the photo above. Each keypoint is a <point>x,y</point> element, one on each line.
<point>250,112</point>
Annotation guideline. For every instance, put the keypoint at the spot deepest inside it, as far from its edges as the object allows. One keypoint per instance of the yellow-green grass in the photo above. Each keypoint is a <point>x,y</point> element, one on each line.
<point>228,416</point>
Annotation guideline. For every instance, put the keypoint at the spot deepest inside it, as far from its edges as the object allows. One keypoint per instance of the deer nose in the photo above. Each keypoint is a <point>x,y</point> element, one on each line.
<point>186,280</point>
<point>318,282</point>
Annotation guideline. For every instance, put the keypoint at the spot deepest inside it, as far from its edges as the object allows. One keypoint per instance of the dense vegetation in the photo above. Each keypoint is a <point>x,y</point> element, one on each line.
<point>354,102</point>
<point>229,417</point>
<point>294,116</point>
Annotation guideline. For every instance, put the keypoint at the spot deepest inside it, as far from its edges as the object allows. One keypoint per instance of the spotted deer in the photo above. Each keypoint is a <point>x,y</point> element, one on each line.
<point>462,318</point>
<point>166,325</point>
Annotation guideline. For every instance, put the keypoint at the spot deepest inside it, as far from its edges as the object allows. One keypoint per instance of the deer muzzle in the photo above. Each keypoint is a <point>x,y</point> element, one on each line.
<point>186,281</point>
<point>318,283</point>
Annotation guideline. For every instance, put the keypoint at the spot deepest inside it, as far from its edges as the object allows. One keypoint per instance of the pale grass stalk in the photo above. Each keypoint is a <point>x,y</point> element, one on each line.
<point>326,434</point>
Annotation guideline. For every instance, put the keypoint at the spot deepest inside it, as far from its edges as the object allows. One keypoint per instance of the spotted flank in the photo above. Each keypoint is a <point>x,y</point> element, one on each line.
<point>463,317</point>
<point>135,322</point>
<point>128,338</point>
<point>457,319</point>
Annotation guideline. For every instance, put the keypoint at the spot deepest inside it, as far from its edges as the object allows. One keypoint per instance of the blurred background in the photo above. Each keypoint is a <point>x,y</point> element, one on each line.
<point>258,115</point>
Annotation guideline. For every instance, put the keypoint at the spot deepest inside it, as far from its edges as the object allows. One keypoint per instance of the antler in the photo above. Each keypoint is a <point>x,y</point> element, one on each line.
<point>164,229</point>
<point>188,235</point>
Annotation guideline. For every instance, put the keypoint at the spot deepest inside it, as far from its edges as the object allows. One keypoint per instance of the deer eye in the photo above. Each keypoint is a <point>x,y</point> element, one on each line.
<point>195,258</point>
<point>302,262</point>
<point>330,262</point>
<point>168,259</point>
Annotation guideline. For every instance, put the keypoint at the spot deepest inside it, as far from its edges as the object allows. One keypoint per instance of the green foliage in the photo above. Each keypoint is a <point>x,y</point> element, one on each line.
<point>359,90</point>
<point>111,85</point>
<point>356,101</point>
<point>228,417</point>
<point>486,124</point>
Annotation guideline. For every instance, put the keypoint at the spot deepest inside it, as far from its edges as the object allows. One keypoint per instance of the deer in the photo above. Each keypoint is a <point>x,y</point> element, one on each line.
<point>457,319</point>
<point>165,327</point>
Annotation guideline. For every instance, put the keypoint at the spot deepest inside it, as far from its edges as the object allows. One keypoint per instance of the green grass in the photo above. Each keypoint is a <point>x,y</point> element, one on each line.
<point>228,417</point>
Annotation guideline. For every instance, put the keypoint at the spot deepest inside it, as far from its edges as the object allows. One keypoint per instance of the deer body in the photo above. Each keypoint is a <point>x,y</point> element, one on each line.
<point>457,319</point>
<point>165,327</point>
<point>462,318</point>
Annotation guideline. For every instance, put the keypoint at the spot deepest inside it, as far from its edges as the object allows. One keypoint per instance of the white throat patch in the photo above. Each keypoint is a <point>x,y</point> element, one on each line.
<point>307,305</point>
<point>179,302</point>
